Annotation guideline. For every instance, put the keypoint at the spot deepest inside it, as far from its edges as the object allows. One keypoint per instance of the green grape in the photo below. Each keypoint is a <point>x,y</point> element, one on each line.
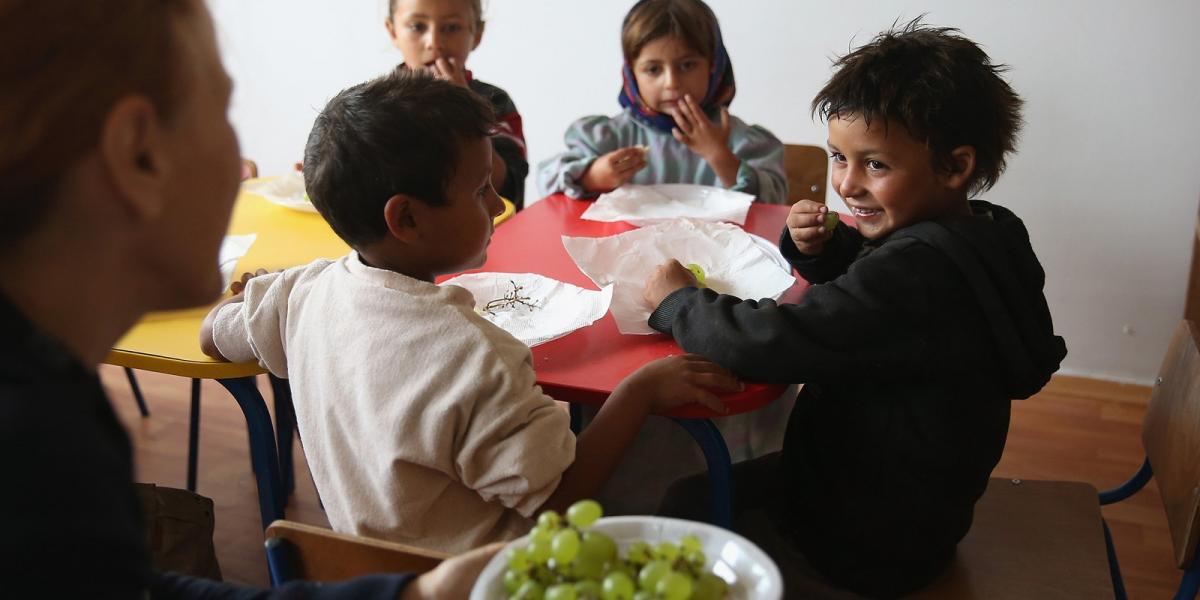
<point>690,543</point>
<point>544,576</point>
<point>667,551</point>
<point>618,586</point>
<point>518,559</point>
<point>639,553</point>
<point>541,534</point>
<point>539,550</point>
<point>643,596</point>
<point>589,590</point>
<point>596,545</point>
<point>709,587</point>
<point>583,513</point>
<point>831,220</point>
<point>562,591</point>
<point>587,567</point>
<point>530,590</point>
<point>696,558</point>
<point>674,586</point>
<point>549,520</point>
<point>565,546</point>
<point>651,574</point>
<point>698,273</point>
<point>513,580</point>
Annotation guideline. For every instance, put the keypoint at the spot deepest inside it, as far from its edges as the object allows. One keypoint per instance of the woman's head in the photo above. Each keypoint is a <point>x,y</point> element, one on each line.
<point>426,30</point>
<point>673,48</point>
<point>116,113</point>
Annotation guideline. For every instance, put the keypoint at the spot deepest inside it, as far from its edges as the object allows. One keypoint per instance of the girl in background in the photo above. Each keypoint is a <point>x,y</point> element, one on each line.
<point>437,36</point>
<point>675,126</point>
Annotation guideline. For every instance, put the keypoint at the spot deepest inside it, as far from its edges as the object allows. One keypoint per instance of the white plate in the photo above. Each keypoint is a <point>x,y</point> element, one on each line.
<point>642,205</point>
<point>772,250</point>
<point>750,573</point>
<point>286,190</point>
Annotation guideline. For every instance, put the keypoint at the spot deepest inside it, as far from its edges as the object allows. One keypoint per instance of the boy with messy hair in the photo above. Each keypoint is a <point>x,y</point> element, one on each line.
<point>921,325</point>
<point>422,422</point>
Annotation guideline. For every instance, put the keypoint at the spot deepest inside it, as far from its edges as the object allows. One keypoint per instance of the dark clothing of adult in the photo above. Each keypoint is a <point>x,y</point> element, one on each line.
<point>73,523</point>
<point>910,349</point>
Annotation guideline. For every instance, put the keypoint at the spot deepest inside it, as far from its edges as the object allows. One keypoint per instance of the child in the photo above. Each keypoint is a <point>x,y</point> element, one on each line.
<point>676,127</point>
<point>920,327</point>
<point>437,36</point>
<point>422,422</point>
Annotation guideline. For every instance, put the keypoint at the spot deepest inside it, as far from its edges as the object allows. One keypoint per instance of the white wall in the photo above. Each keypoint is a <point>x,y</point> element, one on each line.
<point>1107,175</point>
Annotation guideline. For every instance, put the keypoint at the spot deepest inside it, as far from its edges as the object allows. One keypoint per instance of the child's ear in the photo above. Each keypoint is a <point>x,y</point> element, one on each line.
<point>961,168</point>
<point>390,24</point>
<point>400,215</point>
<point>478,35</point>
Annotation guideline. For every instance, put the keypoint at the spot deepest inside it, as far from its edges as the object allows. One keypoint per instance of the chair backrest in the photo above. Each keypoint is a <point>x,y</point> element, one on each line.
<point>807,169</point>
<point>1171,437</point>
<point>318,554</point>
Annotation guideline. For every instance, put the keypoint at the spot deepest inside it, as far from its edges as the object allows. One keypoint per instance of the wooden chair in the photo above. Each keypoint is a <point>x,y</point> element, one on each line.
<point>1046,539</point>
<point>807,170</point>
<point>296,551</point>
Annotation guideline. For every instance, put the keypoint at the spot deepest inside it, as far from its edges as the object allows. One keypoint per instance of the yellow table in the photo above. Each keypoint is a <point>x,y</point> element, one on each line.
<point>168,342</point>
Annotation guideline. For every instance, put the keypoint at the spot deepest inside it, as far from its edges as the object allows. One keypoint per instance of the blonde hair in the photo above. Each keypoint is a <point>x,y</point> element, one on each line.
<point>69,63</point>
<point>476,7</point>
<point>689,20</point>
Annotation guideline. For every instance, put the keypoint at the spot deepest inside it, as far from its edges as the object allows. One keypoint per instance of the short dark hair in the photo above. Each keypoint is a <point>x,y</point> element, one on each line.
<point>940,85</point>
<point>398,134</point>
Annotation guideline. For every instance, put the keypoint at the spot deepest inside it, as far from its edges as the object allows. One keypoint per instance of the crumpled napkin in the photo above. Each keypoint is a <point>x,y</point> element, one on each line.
<point>642,205</point>
<point>285,190</point>
<point>233,248</point>
<point>734,262</point>
<point>558,308</point>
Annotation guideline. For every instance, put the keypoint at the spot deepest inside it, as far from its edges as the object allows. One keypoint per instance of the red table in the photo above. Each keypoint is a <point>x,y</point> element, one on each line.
<point>585,366</point>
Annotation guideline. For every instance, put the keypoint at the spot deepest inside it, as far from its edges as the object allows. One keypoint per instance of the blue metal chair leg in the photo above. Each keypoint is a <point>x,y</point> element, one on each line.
<point>137,392</point>
<point>285,429</point>
<point>263,453</point>
<point>1114,568</point>
<point>1190,584</point>
<point>193,436</point>
<point>720,468</point>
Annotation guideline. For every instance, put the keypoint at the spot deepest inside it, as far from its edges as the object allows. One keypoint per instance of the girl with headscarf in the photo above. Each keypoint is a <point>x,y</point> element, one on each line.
<point>675,126</point>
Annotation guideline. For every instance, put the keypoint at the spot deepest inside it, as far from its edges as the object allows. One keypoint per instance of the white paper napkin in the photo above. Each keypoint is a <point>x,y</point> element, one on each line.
<point>648,204</point>
<point>285,190</point>
<point>734,262</point>
<point>549,309</point>
<point>233,248</point>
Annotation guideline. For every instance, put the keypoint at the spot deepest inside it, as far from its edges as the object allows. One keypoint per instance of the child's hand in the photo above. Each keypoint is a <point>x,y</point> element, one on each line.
<point>612,170</point>
<point>239,285</point>
<point>806,226</point>
<point>667,278</point>
<point>695,130</point>
<point>678,380</point>
<point>448,69</point>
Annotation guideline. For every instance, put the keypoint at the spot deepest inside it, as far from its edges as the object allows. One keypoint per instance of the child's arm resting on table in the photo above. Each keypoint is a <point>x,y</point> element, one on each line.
<point>875,316</point>
<point>655,388</point>
<point>207,345</point>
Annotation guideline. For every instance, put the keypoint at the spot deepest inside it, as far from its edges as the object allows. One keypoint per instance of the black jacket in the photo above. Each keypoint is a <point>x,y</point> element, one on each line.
<point>910,349</point>
<point>73,525</point>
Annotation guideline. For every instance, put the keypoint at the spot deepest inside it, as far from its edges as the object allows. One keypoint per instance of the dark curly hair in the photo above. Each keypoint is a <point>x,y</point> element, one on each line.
<point>399,134</point>
<point>937,83</point>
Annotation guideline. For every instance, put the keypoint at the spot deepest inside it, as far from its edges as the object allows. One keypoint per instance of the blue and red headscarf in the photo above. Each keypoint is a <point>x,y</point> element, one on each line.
<point>720,87</point>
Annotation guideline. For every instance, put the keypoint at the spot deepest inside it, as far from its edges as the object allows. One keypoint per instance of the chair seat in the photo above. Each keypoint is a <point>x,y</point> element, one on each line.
<point>1030,539</point>
<point>325,555</point>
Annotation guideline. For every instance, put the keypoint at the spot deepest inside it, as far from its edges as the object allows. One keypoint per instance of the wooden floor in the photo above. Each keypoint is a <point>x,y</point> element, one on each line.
<point>1076,429</point>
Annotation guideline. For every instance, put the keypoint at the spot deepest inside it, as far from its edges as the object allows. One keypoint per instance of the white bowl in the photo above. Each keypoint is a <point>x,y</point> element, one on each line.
<point>750,573</point>
<point>285,190</point>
